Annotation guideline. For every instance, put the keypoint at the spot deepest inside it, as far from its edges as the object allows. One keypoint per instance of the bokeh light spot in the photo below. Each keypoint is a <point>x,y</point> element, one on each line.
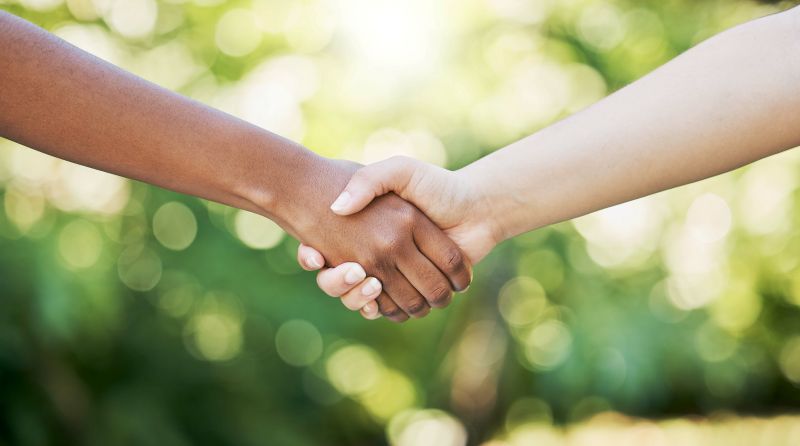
<point>79,188</point>
<point>174,226</point>
<point>601,26</point>
<point>548,345</point>
<point>256,231</point>
<point>420,144</point>
<point>426,428</point>
<point>622,235</point>
<point>80,244</point>
<point>393,38</point>
<point>522,301</point>
<point>41,5</point>
<point>309,26</point>
<point>217,335</point>
<point>24,209</point>
<point>528,410</point>
<point>353,369</point>
<point>713,344</point>
<point>84,9</point>
<point>134,19</point>
<point>238,34</point>
<point>139,268</point>
<point>709,218</point>
<point>789,360</point>
<point>393,393</point>
<point>298,343</point>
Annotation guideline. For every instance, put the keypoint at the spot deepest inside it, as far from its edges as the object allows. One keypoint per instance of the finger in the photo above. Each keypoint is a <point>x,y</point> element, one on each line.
<point>406,296</point>
<point>389,309</point>
<point>427,279</point>
<point>444,253</point>
<point>309,258</point>
<point>337,281</point>
<point>391,175</point>
<point>364,292</point>
<point>370,311</point>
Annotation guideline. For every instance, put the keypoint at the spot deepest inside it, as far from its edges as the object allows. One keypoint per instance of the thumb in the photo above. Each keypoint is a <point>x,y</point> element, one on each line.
<point>391,175</point>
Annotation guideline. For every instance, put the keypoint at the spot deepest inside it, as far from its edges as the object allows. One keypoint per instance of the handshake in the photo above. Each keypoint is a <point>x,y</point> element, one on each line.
<point>400,236</point>
<point>413,232</point>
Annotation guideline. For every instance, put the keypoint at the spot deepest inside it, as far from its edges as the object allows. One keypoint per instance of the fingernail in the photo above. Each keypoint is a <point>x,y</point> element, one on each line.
<point>354,275</point>
<point>370,308</point>
<point>373,286</point>
<point>313,263</point>
<point>341,201</point>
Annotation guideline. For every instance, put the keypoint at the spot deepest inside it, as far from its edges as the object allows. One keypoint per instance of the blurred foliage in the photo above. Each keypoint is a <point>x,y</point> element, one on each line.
<point>132,315</point>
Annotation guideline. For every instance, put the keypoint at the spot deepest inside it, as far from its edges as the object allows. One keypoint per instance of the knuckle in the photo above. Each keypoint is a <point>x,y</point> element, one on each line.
<point>376,263</point>
<point>350,304</point>
<point>388,242</point>
<point>405,215</point>
<point>401,161</point>
<point>326,287</point>
<point>440,296</point>
<point>454,260</point>
<point>398,159</point>
<point>395,315</point>
<point>390,311</point>
<point>361,175</point>
<point>398,320</point>
<point>408,213</point>
<point>408,219</point>
<point>418,308</point>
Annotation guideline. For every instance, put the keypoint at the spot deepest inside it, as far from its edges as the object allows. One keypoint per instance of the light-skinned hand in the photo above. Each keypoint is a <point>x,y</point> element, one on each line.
<point>448,198</point>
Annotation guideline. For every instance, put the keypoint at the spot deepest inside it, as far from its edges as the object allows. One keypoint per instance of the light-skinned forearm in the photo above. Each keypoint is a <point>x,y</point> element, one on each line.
<point>727,102</point>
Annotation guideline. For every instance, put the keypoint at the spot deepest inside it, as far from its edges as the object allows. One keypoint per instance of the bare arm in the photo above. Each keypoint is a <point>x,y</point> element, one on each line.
<point>727,102</point>
<point>65,102</point>
<point>62,101</point>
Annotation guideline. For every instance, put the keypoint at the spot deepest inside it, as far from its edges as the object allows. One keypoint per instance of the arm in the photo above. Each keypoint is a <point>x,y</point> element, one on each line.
<point>65,102</point>
<point>729,101</point>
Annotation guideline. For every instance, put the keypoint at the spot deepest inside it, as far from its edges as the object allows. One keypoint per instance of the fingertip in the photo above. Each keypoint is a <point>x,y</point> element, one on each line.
<point>309,258</point>
<point>370,311</point>
<point>354,198</point>
<point>354,273</point>
<point>341,205</point>
<point>334,282</point>
<point>372,287</point>
<point>315,261</point>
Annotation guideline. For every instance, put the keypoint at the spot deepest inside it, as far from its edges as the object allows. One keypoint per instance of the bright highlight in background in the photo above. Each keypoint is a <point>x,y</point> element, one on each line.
<point>393,37</point>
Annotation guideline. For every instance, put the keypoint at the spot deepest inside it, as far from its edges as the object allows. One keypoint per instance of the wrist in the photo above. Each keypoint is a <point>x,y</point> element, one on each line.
<point>304,205</point>
<point>292,185</point>
<point>272,177</point>
<point>485,209</point>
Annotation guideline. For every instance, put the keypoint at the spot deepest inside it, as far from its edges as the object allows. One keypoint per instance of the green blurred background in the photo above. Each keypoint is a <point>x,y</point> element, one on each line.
<point>133,315</point>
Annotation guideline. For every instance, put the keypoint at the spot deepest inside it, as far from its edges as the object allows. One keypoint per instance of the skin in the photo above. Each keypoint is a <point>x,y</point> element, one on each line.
<point>62,101</point>
<point>729,101</point>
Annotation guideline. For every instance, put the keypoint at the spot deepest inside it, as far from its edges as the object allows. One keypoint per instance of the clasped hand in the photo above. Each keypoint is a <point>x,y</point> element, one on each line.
<point>448,199</point>
<point>413,265</point>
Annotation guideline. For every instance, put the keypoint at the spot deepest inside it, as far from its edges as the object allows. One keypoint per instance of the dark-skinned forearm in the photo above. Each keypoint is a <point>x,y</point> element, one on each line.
<point>60,100</point>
